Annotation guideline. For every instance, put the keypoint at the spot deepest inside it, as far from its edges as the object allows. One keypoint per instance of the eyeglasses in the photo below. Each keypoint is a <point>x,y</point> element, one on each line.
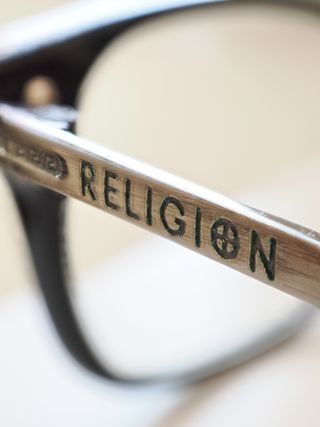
<point>47,163</point>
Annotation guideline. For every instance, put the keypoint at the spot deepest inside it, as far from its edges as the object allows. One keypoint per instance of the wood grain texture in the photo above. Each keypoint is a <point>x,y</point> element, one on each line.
<point>276,252</point>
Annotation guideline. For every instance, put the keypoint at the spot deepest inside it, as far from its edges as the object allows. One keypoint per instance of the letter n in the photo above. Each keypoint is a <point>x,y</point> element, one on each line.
<point>267,262</point>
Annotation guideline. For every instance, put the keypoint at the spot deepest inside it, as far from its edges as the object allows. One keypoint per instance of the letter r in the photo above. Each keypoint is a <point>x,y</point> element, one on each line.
<point>87,176</point>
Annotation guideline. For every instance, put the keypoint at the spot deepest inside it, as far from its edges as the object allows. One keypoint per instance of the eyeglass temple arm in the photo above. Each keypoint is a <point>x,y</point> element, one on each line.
<point>269,249</point>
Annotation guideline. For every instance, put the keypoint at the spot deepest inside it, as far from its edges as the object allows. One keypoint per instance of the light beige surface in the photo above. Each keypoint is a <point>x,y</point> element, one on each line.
<point>40,386</point>
<point>278,390</point>
<point>16,9</point>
